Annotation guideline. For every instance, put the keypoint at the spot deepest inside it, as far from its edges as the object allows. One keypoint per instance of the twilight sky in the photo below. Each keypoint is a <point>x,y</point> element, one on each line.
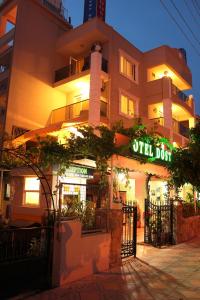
<point>147,25</point>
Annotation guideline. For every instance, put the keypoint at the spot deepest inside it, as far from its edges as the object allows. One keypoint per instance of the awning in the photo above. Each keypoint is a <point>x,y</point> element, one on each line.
<point>134,165</point>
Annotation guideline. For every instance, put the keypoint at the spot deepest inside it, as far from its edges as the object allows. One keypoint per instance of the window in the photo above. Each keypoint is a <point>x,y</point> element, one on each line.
<point>128,68</point>
<point>126,106</point>
<point>31,191</point>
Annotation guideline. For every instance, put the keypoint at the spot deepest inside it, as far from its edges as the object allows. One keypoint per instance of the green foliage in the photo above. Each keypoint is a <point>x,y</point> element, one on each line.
<point>84,211</point>
<point>185,164</point>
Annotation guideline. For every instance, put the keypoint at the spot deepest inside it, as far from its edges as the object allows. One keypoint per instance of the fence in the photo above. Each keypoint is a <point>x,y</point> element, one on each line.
<point>25,259</point>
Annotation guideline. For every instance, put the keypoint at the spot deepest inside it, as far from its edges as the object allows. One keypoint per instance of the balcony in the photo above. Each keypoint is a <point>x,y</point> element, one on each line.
<point>76,111</point>
<point>184,131</point>
<point>178,127</point>
<point>7,40</point>
<point>77,67</point>
<point>57,10</point>
<point>182,96</point>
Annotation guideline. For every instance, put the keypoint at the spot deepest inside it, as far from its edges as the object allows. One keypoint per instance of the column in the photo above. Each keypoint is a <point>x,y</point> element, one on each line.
<point>95,87</point>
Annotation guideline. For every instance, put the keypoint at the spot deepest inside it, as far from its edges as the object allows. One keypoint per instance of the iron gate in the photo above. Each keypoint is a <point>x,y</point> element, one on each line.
<point>25,259</point>
<point>158,229</point>
<point>129,231</point>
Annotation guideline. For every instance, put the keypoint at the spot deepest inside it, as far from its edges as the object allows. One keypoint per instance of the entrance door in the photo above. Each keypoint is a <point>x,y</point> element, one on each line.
<point>129,231</point>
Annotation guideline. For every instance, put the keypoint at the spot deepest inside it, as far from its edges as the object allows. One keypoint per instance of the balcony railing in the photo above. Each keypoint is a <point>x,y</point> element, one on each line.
<point>77,67</point>
<point>184,130</point>
<point>159,121</point>
<point>73,111</point>
<point>177,126</point>
<point>7,41</point>
<point>60,11</point>
<point>182,96</point>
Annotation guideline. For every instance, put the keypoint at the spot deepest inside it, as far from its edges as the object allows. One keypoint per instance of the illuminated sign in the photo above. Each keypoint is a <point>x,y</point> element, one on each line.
<point>76,171</point>
<point>155,153</point>
<point>94,8</point>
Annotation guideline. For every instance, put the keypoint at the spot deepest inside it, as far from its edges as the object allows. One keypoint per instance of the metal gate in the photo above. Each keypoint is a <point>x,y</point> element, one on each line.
<point>25,260</point>
<point>129,231</point>
<point>158,229</point>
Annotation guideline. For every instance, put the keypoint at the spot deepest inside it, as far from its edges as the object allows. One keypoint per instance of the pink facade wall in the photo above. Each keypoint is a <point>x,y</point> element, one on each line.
<point>31,94</point>
<point>76,256</point>
<point>19,211</point>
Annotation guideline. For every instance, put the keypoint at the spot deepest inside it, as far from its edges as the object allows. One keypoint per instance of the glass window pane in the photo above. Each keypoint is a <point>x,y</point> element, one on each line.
<point>131,108</point>
<point>32,183</point>
<point>124,104</point>
<point>129,69</point>
<point>32,198</point>
<point>121,64</point>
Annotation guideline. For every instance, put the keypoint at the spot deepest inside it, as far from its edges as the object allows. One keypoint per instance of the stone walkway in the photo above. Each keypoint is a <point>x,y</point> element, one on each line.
<point>171,273</point>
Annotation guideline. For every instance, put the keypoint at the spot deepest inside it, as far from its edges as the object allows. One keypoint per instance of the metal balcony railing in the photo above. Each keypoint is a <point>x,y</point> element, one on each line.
<point>159,121</point>
<point>177,126</point>
<point>184,130</point>
<point>77,67</point>
<point>73,111</point>
<point>182,96</point>
<point>60,11</point>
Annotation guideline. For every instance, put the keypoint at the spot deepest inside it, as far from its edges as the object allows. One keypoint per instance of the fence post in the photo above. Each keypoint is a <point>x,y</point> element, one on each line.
<point>146,222</point>
<point>115,227</point>
<point>172,221</point>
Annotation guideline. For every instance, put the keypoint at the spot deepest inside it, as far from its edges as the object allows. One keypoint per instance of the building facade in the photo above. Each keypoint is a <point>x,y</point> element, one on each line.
<point>54,78</point>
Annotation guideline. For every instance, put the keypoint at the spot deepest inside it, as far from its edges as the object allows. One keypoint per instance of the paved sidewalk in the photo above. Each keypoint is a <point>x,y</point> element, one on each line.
<point>171,273</point>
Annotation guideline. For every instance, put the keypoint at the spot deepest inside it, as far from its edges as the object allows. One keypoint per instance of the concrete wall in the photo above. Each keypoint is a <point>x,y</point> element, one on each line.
<point>76,256</point>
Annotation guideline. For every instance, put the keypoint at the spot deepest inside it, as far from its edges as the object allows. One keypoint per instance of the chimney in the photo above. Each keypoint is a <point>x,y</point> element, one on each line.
<point>94,8</point>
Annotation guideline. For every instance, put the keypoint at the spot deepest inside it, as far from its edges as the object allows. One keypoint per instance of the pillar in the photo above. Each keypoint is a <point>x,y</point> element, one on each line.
<point>95,86</point>
<point>167,103</point>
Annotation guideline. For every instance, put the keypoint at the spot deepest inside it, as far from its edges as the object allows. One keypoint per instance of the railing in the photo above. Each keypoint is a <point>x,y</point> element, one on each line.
<point>184,130</point>
<point>159,121</point>
<point>60,11</point>
<point>75,110</point>
<point>177,126</point>
<point>7,41</point>
<point>77,67</point>
<point>182,96</point>
<point>23,243</point>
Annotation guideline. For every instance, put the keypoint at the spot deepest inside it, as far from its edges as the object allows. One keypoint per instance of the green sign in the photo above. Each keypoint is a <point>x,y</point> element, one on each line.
<point>76,171</point>
<point>155,153</point>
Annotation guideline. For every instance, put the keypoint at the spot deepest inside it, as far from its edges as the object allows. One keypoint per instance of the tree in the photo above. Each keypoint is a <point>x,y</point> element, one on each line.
<point>185,165</point>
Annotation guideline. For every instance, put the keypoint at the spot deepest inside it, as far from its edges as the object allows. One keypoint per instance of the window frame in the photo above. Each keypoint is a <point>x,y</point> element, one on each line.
<point>135,101</point>
<point>30,191</point>
<point>134,63</point>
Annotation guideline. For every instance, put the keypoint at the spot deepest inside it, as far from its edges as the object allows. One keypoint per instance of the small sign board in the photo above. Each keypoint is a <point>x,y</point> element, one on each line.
<point>79,171</point>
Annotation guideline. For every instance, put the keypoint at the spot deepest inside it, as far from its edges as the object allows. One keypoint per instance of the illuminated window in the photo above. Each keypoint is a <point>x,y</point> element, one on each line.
<point>128,68</point>
<point>31,191</point>
<point>126,106</point>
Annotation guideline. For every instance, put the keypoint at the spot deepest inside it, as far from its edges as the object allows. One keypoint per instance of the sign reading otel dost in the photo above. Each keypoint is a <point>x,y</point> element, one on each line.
<point>149,150</point>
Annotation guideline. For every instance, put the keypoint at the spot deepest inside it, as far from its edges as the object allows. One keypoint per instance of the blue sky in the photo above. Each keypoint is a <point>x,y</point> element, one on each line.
<point>146,24</point>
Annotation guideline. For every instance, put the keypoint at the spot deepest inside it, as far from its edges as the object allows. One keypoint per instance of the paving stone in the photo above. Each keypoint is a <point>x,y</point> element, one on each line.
<point>157,274</point>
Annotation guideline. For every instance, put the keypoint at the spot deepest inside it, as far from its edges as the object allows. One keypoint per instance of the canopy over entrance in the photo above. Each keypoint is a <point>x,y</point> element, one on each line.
<point>135,165</point>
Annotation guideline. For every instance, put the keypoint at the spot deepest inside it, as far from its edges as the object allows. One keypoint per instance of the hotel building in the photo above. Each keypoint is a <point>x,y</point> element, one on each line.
<point>54,78</point>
